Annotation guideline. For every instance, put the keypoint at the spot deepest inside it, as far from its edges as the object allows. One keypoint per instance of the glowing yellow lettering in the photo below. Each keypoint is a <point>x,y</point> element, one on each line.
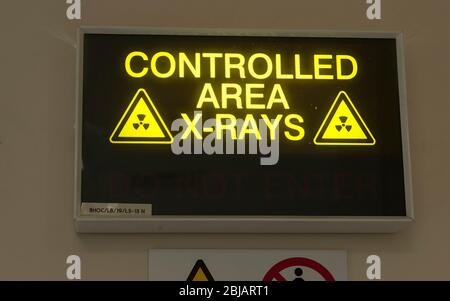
<point>212,62</point>
<point>251,67</point>
<point>319,66</point>
<point>208,90</point>
<point>249,96</point>
<point>352,60</point>
<point>130,56</point>
<point>272,126</point>
<point>277,96</point>
<point>249,127</point>
<point>239,65</point>
<point>221,126</point>
<point>184,60</point>
<point>296,127</point>
<point>191,126</point>
<point>227,95</point>
<point>279,74</point>
<point>154,61</point>
<point>298,74</point>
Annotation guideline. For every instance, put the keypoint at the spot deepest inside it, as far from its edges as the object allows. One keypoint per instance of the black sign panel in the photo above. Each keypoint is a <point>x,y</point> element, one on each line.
<point>243,125</point>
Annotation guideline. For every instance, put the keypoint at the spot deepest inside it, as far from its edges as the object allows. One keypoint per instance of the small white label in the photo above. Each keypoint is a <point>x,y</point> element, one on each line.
<point>116,209</point>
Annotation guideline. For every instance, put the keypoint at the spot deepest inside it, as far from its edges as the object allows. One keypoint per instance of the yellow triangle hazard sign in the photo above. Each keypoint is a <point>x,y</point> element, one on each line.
<point>343,125</point>
<point>200,272</point>
<point>141,123</point>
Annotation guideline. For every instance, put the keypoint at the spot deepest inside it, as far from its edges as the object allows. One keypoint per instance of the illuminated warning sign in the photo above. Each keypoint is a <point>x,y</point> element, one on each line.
<point>141,123</point>
<point>241,126</point>
<point>343,125</point>
<point>200,272</point>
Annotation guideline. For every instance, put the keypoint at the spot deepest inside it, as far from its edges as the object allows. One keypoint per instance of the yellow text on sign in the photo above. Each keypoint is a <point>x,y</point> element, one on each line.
<point>228,123</point>
<point>164,64</point>
<point>233,96</point>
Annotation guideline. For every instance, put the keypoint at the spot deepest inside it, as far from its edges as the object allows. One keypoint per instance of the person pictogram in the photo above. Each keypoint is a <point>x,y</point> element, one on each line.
<point>298,273</point>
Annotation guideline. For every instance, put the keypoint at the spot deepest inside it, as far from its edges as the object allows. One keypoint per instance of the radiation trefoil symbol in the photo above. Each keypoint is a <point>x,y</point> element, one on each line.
<point>141,118</point>
<point>141,123</point>
<point>343,125</point>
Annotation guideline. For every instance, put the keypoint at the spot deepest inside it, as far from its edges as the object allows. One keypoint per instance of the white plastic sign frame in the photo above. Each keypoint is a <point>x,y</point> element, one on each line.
<point>242,224</point>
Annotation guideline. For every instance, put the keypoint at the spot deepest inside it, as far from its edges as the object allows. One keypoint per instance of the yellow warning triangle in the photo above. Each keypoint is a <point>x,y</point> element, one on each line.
<point>141,123</point>
<point>200,272</point>
<point>343,125</point>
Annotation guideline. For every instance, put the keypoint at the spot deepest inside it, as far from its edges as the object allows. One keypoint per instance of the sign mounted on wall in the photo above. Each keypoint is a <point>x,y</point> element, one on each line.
<point>226,131</point>
<point>246,265</point>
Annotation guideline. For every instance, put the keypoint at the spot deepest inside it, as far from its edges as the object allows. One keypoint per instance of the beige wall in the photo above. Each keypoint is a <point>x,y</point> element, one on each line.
<point>37,84</point>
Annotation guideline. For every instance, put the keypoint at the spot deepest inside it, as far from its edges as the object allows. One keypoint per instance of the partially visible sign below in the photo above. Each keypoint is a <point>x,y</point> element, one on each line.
<point>200,272</point>
<point>246,265</point>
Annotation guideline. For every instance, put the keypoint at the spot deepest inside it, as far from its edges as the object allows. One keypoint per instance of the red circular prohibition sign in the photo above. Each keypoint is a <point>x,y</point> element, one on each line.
<point>274,271</point>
